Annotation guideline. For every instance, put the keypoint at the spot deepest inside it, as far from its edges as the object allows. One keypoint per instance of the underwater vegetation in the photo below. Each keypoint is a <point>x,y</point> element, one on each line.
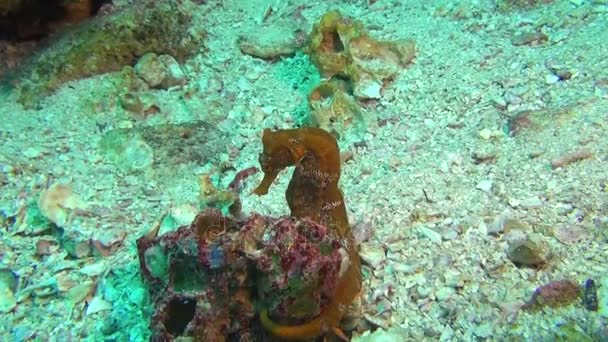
<point>302,272</point>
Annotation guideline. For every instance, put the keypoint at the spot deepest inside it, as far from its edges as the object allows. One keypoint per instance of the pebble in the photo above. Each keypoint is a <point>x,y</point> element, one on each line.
<point>552,79</point>
<point>430,234</point>
<point>424,291</point>
<point>531,202</point>
<point>8,283</point>
<point>369,90</point>
<point>405,268</point>
<point>32,152</point>
<point>449,234</point>
<point>151,69</point>
<point>485,185</point>
<point>93,269</point>
<point>447,334</point>
<point>570,234</point>
<point>525,253</point>
<point>98,305</point>
<point>372,254</point>
<point>484,330</point>
<point>137,296</point>
<point>444,293</point>
<point>453,278</point>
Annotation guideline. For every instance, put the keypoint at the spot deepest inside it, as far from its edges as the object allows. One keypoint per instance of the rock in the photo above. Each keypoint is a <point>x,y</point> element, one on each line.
<point>341,46</point>
<point>132,103</point>
<point>432,235</point>
<point>444,293</point>
<point>526,253</point>
<point>98,305</point>
<point>335,110</point>
<point>529,38</point>
<point>372,254</point>
<point>531,202</point>
<point>551,79</point>
<point>174,75</point>
<point>485,185</point>
<point>151,69</point>
<point>58,203</point>
<point>93,270</point>
<point>571,234</point>
<point>269,42</point>
<point>368,89</point>
<point>8,284</point>
<point>392,334</point>
<point>46,247</point>
<point>513,225</point>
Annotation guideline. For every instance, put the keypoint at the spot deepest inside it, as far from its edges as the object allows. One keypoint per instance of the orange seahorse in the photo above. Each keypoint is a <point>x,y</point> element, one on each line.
<point>312,192</point>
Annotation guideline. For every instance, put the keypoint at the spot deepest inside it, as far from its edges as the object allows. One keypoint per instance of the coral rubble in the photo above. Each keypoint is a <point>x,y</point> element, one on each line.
<point>340,46</point>
<point>204,278</point>
<point>355,66</point>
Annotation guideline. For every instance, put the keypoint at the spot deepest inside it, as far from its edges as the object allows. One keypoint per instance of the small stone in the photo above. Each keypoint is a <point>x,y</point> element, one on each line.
<point>525,253</point>
<point>58,202</point>
<point>368,89</point>
<point>174,75</point>
<point>449,234</point>
<point>485,134</point>
<point>98,305</point>
<point>453,278</point>
<point>184,214</point>
<point>151,69</point>
<point>424,290</point>
<point>444,293</point>
<point>570,234</point>
<point>269,42</point>
<point>447,333</point>
<point>77,245</point>
<point>430,234</point>
<point>79,292</point>
<point>46,247</point>
<point>405,268</point>
<point>513,225</point>
<point>8,284</point>
<point>485,185</point>
<point>484,330</point>
<point>372,254</point>
<point>551,79</point>
<point>531,203</point>
<point>93,269</point>
<point>137,296</point>
<point>32,152</point>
